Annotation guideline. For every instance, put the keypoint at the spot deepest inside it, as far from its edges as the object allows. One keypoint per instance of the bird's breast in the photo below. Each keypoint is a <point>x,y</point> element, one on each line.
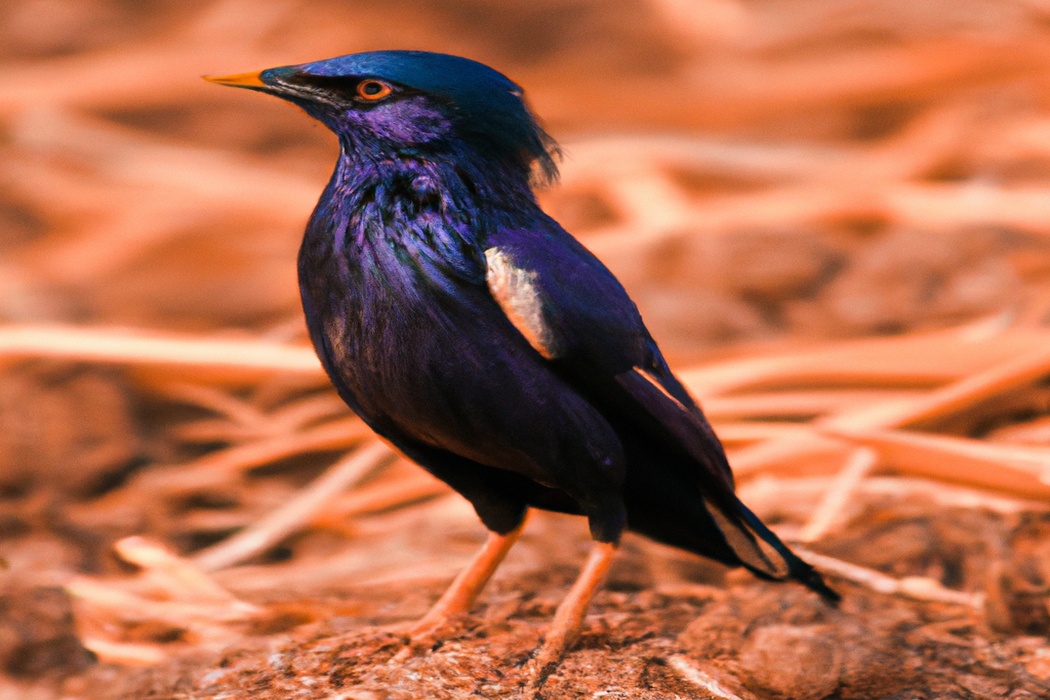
<point>379,320</point>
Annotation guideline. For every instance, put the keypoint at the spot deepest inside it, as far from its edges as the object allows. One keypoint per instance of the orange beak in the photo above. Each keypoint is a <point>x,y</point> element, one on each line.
<point>245,80</point>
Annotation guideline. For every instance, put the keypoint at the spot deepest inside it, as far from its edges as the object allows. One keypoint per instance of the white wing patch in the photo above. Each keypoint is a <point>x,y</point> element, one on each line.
<point>514,289</point>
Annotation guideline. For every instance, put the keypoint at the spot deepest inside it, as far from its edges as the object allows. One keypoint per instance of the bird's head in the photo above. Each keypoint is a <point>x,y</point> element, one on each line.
<point>415,102</point>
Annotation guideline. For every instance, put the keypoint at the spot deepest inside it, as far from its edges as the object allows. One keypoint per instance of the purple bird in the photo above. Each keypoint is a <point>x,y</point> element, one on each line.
<point>473,333</point>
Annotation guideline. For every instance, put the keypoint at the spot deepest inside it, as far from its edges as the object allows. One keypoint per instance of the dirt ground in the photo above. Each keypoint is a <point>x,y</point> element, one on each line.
<point>833,216</point>
<point>665,624</point>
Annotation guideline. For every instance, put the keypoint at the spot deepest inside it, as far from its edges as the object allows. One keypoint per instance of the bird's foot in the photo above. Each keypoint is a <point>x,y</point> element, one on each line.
<point>545,662</point>
<point>568,619</point>
<point>459,597</point>
<point>410,629</point>
<point>423,634</point>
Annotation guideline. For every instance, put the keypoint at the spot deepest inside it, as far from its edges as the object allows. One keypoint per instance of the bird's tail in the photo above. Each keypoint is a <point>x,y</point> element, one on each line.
<point>692,465</point>
<point>762,552</point>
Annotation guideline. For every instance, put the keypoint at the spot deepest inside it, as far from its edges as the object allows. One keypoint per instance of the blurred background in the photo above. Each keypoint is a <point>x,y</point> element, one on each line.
<point>765,176</point>
<point>750,169</point>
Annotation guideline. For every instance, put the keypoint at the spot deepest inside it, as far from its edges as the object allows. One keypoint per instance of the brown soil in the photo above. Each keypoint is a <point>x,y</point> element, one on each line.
<point>650,627</point>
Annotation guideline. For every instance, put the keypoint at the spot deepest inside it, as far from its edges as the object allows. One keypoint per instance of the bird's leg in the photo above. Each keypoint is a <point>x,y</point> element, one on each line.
<point>465,589</point>
<point>568,619</point>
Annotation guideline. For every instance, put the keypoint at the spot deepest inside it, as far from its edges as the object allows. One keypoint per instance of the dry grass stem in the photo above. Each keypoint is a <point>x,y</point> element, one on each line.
<point>221,465</point>
<point>916,360</point>
<point>1021,471</point>
<point>916,587</point>
<point>744,433</point>
<point>231,360</point>
<point>405,491</point>
<point>839,494</point>
<point>768,493</point>
<point>968,392</point>
<point>798,404</point>
<point>129,620</point>
<point>300,511</point>
<point>700,679</point>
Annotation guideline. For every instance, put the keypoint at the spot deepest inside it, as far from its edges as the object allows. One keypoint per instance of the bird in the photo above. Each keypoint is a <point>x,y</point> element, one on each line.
<point>476,336</point>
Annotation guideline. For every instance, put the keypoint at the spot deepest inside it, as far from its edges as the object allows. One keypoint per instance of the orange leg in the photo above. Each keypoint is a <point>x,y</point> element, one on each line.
<point>569,617</point>
<point>465,589</point>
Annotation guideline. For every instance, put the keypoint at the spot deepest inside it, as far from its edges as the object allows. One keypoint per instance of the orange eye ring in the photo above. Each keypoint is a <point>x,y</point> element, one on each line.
<point>373,90</point>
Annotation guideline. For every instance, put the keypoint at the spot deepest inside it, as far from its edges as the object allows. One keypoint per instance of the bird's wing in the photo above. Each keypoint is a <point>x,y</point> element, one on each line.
<point>575,313</point>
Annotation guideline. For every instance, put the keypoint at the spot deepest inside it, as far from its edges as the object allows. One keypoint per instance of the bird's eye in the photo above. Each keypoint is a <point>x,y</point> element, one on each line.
<point>373,90</point>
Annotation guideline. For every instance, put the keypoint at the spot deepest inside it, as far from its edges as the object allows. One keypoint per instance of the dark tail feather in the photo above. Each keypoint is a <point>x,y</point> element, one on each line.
<point>763,553</point>
<point>661,397</point>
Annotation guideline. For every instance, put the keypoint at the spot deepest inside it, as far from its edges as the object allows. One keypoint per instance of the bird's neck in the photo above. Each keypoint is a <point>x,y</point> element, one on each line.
<point>463,177</point>
<point>387,214</point>
<point>388,197</point>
